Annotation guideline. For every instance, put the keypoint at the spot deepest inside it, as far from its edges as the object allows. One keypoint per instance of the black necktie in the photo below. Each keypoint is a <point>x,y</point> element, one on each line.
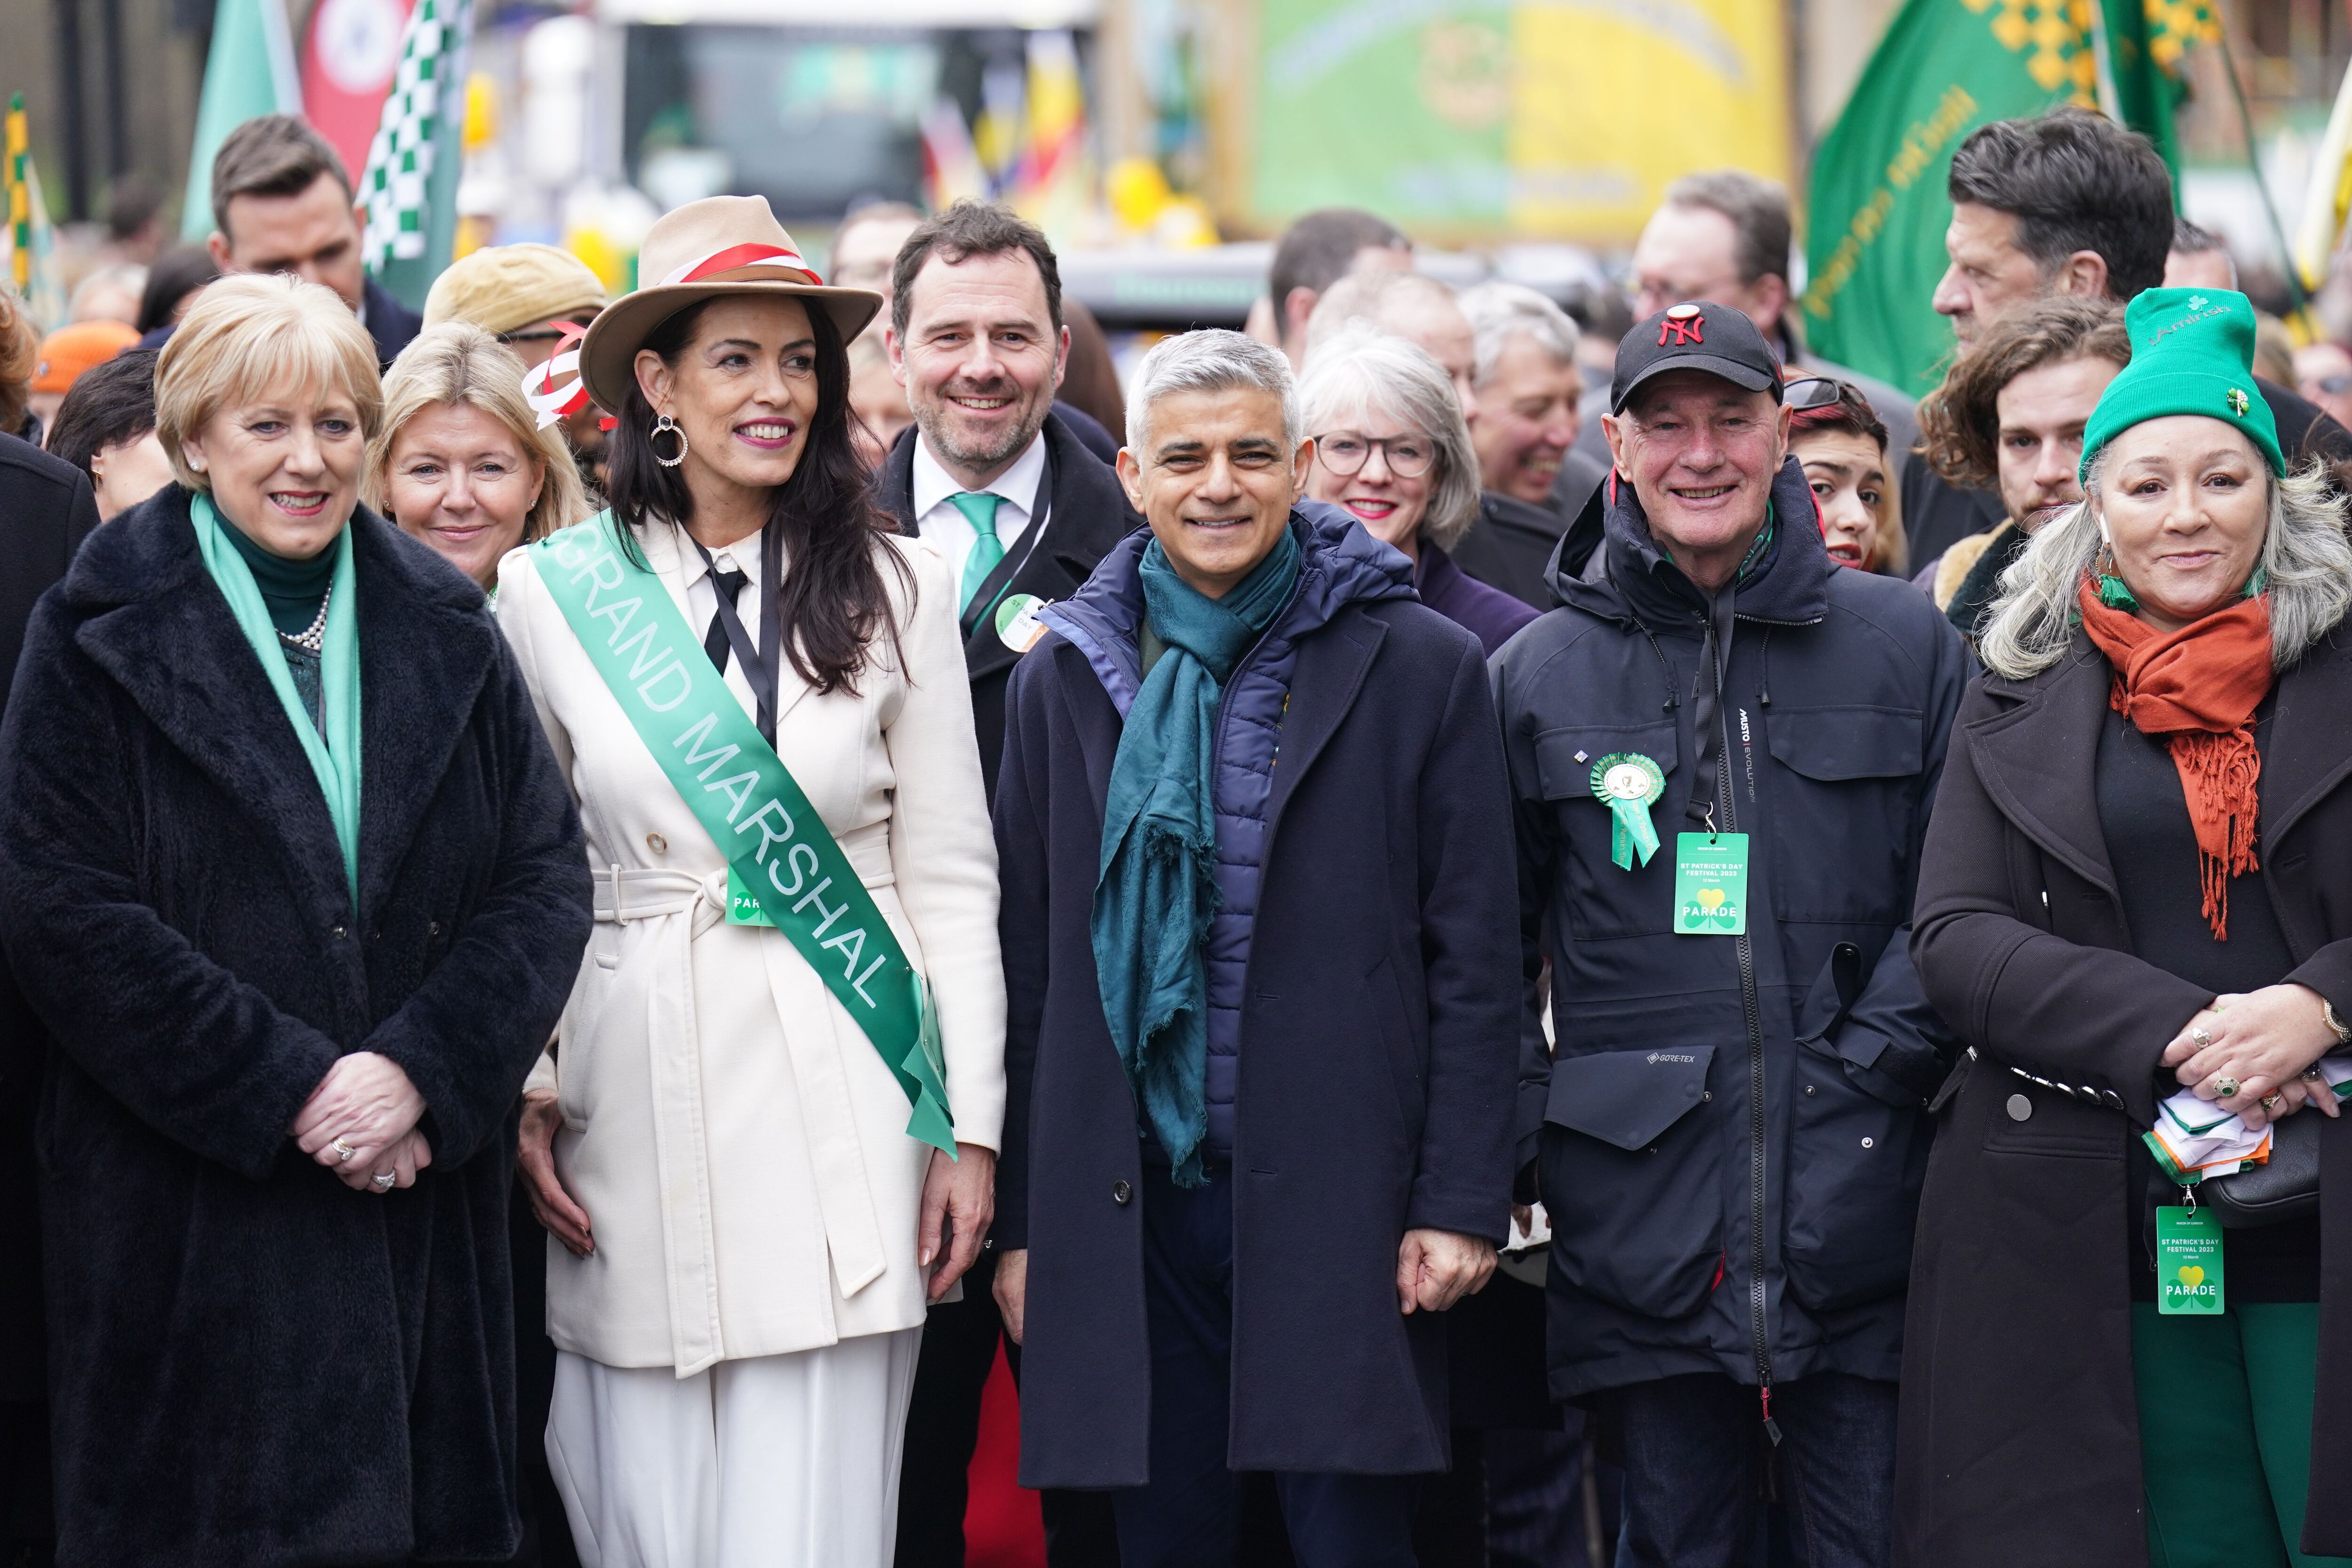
<point>729,582</point>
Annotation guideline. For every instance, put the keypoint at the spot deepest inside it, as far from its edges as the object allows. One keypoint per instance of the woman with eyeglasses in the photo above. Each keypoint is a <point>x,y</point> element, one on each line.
<point>1840,439</point>
<point>1392,450</point>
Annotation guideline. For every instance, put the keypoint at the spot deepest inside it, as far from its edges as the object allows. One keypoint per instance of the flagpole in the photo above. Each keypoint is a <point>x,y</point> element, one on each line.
<point>2295,289</point>
<point>2111,98</point>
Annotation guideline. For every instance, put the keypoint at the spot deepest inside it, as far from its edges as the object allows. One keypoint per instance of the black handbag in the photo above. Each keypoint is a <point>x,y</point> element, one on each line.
<point>2286,1187</point>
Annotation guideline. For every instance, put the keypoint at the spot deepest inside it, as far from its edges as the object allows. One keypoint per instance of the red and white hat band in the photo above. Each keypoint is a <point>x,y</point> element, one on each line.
<point>549,401</point>
<point>737,258</point>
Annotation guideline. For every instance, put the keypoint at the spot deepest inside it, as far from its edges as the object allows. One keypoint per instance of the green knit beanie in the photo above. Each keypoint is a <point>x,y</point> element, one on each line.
<point>2192,352</point>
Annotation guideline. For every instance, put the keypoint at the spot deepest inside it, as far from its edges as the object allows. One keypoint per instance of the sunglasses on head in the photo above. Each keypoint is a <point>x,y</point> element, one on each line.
<point>1811,392</point>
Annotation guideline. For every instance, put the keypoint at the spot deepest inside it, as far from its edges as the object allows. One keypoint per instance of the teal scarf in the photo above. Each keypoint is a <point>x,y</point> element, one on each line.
<point>1158,887</point>
<point>334,756</point>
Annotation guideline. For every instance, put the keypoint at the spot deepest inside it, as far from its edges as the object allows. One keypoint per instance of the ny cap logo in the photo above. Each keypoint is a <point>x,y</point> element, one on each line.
<point>1681,327</point>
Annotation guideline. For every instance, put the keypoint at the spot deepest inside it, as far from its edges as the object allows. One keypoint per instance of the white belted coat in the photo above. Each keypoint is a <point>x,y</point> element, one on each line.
<point>737,1144</point>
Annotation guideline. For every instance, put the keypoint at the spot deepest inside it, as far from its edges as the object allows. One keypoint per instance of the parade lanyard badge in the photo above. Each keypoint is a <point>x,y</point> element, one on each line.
<point>993,586</point>
<point>782,862</point>
<point>1710,865</point>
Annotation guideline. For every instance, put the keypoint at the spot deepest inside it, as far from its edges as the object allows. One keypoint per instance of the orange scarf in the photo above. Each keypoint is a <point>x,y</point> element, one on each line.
<point>2198,687</point>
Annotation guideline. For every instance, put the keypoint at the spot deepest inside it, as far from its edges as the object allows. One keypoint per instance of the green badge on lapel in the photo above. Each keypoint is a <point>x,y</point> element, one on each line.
<point>1631,784</point>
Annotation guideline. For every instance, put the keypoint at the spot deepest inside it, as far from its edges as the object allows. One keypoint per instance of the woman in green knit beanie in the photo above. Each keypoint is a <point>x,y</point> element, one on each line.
<point>2131,904</point>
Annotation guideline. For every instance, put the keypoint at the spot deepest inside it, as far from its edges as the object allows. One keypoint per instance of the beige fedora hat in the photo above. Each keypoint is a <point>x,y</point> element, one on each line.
<point>720,245</point>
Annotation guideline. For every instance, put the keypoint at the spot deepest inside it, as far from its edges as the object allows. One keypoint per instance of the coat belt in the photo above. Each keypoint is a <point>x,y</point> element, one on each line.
<point>690,907</point>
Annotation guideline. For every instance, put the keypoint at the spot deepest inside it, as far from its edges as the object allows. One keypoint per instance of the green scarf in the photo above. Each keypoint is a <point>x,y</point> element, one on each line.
<point>335,756</point>
<point>1158,886</point>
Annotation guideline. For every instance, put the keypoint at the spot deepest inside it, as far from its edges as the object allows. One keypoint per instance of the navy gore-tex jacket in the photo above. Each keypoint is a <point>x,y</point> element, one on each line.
<point>1733,1142</point>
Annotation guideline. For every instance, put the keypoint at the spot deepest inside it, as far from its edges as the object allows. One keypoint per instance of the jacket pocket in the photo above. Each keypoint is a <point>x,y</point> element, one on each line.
<point>1845,804</point>
<point>1856,1163</point>
<point>1605,900</point>
<point>1634,1183</point>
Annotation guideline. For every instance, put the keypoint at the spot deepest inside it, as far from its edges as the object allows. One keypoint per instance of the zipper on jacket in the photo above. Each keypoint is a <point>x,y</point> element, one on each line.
<point>1726,802</point>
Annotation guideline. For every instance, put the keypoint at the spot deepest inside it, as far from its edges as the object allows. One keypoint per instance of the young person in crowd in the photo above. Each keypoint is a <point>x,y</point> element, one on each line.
<point>1836,435</point>
<point>1722,751</point>
<point>295,888</point>
<point>1225,1222</point>
<point>2065,203</point>
<point>2165,692</point>
<point>1393,452</point>
<point>459,459</point>
<point>2011,415</point>
<point>106,428</point>
<point>763,1139</point>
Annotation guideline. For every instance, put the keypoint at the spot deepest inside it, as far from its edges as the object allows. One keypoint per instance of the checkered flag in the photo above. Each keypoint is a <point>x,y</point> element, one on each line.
<point>416,138</point>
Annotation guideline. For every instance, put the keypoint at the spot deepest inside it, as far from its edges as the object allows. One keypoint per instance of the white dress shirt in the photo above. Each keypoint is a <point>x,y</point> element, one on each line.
<point>938,518</point>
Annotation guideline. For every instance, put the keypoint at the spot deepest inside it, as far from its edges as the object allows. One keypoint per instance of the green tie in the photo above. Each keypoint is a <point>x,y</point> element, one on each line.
<point>979,510</point>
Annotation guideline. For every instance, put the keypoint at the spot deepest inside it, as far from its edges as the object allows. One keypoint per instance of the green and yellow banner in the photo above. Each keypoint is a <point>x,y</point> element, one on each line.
<point>1878,206</point>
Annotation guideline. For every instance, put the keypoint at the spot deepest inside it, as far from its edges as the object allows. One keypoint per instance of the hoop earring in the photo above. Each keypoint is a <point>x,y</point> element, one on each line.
<point>665,426</point>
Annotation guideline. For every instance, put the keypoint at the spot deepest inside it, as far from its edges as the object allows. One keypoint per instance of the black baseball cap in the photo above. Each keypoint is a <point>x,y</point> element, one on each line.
<point>1698,334</point>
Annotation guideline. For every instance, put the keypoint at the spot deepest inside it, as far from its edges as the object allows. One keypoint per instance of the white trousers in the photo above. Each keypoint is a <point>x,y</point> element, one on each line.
<point>780,1461</point>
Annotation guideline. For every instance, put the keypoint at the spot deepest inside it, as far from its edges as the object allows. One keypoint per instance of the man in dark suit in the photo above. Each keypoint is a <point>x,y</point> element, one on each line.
<point>1023,510</point>
<point>283,202</point>
<point>47,510</point>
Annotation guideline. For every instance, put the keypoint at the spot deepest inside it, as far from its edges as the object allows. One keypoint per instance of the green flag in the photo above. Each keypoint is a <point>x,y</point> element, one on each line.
<point>249,72</point>
<point>410,187</point>
<point>1878,204</point>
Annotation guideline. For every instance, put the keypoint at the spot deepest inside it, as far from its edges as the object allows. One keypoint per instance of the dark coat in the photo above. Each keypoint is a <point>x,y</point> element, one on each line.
<point>45,511</point>
<point>1090,514</point>
<point>1375,1063</point>
<point>1510,547</point>
<point>392,324</point>
<point>252,1364</point>
<point>1488,614</point>
<point>1688,1067</point>
<point>2019,1438</point>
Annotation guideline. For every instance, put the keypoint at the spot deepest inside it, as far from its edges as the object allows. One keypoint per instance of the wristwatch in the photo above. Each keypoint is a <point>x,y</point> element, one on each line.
<point>2328,1015</point>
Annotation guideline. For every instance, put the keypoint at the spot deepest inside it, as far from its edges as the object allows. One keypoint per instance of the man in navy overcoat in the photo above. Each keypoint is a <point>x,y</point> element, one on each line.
<point>1236,1186</point>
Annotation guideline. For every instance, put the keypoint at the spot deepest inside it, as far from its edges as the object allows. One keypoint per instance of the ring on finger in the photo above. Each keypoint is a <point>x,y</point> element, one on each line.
<point>2202,1036</point>
<point>2225,1088</point>
<point>343,1150</point>
<point>382,1181</point>
<point>2271,1100</point>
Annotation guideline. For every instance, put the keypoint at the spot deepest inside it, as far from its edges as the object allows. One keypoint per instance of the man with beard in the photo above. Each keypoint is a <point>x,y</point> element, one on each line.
<point>1023,510</point>
<point>2011,416</point>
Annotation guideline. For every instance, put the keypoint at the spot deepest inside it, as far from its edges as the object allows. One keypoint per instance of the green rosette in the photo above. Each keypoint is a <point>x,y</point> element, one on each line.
<point>1631,784</point>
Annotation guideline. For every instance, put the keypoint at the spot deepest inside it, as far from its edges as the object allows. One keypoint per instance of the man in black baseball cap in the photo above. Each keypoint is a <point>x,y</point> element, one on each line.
<point>1723,750</point>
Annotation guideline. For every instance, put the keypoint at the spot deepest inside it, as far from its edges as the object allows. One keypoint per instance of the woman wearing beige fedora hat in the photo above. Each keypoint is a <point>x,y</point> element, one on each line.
<point>763,1141</point>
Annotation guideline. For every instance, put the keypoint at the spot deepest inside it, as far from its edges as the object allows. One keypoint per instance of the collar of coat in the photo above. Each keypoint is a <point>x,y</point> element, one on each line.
<point>2035,745</point>
<point>148,614</point>
<point>1610,564</point>
<point>1338,565</point>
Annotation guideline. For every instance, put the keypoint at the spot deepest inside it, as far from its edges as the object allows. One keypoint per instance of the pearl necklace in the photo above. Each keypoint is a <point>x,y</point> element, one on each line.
<point>313,638</point>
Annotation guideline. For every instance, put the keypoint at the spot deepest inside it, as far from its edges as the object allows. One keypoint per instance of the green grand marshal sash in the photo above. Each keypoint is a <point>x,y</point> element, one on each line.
<point>778,850</point>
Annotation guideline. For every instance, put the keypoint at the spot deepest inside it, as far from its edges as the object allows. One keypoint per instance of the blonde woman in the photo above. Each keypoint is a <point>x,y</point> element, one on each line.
<point>460,461</point>
<point>297,891</point>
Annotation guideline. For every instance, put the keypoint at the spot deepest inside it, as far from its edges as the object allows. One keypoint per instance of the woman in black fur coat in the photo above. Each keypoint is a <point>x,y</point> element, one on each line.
<point>290,877</point>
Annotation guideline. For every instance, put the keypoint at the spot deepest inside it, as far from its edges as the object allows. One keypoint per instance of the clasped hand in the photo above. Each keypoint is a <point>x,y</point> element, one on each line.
<point>2262,1040</point>
<point>365,1104</point>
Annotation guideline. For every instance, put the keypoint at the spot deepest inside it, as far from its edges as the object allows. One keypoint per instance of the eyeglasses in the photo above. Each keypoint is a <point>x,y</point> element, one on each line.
<point>1811,392</point>
<point>1345,453</point>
